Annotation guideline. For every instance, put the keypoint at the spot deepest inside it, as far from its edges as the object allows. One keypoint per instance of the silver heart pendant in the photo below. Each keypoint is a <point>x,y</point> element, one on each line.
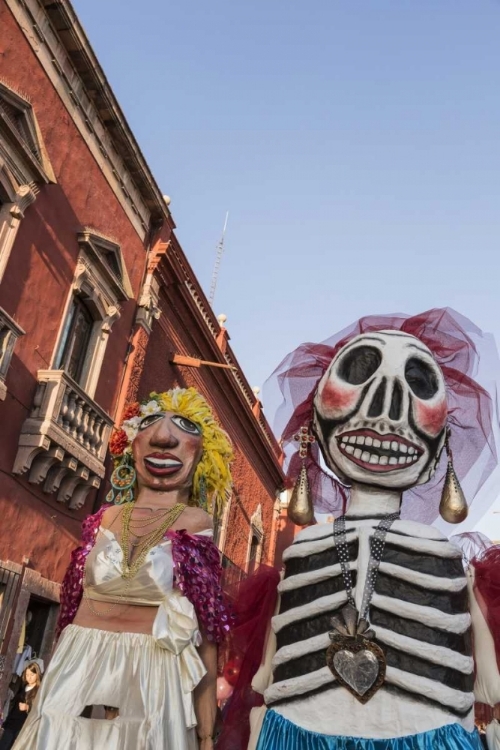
<point>358,664</point>
<point>358,670</point>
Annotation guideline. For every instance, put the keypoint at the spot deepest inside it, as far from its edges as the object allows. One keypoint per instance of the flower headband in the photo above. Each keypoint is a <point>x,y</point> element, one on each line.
<point>212,475</point>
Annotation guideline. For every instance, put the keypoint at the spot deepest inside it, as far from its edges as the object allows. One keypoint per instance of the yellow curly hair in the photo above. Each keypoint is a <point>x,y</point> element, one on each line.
<point>213,469</point>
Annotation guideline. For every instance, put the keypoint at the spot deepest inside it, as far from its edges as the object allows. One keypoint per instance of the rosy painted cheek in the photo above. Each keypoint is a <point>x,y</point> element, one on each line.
<point>431,419</point>
<point>338,400</point>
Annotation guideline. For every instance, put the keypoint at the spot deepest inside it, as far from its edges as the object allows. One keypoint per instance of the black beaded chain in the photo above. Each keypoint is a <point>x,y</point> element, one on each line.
<point>376,553</point>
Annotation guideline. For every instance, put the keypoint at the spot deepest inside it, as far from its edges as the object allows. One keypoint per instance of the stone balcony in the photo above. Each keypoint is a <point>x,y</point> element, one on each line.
<point>63,442</point>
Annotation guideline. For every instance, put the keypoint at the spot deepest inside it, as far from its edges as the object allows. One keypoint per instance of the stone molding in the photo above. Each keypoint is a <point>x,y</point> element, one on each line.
<point>10,331</point>
<point>256,530</point>
<point>149,308</point>
<point>256,523</point>
<point>149,305</point>
<point>101,279</point>
<point>59,42</point>
<point>97,248</point>
<point>63,443</point>
<point>21,143</point>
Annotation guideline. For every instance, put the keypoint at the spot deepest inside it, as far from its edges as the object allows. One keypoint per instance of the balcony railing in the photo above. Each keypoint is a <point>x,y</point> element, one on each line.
<point>63,442</point>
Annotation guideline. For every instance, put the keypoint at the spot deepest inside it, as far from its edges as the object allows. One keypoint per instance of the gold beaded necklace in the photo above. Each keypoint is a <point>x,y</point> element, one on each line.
<point>130,570</point>
<point>151,519</point>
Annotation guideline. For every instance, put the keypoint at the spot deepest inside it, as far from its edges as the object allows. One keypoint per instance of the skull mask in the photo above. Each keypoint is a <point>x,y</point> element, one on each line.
<point>380,411</point>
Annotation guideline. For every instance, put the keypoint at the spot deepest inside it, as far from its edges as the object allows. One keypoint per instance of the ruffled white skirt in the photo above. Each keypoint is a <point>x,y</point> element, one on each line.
<point>149,684</point>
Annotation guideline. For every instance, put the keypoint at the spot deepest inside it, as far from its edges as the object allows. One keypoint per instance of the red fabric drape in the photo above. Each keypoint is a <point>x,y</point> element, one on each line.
<point>254,603</point>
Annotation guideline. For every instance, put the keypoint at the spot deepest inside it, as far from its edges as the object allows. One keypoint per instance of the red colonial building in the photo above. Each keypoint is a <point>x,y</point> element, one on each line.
<point>98,306</point>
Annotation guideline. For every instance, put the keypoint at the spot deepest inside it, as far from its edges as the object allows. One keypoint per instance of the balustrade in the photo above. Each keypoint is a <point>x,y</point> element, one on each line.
<point>63,442</point>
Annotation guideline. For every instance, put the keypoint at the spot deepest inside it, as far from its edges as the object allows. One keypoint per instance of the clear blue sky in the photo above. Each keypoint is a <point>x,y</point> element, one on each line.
<point>355,144</point>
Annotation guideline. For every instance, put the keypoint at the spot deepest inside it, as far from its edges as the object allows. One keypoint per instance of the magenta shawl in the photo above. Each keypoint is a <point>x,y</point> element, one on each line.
<point>197,574</point>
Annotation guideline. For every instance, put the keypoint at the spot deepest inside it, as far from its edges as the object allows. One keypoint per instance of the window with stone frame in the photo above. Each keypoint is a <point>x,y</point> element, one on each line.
<point>100,284</point>
<point>76,337</point>
<point>10,331</point>
<point>221,522</point>
<point>256,540</point>
<point>24,167</point>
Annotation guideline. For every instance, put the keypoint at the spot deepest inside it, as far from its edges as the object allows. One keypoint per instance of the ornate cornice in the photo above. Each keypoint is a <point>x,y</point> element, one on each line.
<point>61,46</point>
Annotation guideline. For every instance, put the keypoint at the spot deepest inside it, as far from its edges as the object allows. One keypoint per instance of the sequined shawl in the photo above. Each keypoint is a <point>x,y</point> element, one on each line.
<point>197,574</point>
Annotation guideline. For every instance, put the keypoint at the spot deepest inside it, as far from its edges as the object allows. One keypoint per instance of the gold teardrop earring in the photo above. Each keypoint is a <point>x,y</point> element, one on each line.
<point>453,506</point>
<point>300,508</point>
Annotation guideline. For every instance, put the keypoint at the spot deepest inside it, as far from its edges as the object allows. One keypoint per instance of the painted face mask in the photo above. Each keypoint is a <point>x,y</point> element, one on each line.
<point>380,411</point>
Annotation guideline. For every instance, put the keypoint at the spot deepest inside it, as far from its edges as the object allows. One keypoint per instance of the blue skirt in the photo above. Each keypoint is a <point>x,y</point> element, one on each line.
<point>280,734</point>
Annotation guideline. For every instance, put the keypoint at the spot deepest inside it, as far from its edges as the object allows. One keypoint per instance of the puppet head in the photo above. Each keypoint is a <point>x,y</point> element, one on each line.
<point>412,380</point>
<point>380,411</point>
<point>212,476</point>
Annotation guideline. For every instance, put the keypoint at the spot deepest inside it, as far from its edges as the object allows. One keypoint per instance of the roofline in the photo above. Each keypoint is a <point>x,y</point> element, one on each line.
<point>77,44</point>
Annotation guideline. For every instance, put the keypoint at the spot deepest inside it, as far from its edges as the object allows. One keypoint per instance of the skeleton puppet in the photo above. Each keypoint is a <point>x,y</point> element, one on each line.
<point>372,641</point>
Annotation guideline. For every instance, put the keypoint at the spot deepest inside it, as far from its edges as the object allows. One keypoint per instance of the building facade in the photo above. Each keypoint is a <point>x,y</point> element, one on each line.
<point>98,306</point>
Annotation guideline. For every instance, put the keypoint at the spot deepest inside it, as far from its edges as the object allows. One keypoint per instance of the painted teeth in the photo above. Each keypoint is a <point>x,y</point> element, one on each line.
<point>163,462</point>
<point>402,454</point>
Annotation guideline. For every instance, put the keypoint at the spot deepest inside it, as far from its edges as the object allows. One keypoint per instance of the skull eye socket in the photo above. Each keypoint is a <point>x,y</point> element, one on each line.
<point>359,364</point>
<point>421,378</point>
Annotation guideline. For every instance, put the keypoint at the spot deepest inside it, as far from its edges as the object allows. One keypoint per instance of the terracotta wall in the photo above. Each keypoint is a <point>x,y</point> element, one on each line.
<point>34,291</point>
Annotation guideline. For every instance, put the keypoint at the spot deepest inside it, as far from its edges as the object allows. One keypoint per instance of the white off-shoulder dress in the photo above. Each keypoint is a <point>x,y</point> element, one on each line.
<point>149,678</point>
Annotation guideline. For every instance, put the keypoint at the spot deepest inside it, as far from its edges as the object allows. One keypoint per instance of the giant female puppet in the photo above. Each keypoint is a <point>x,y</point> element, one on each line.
<point>382,641</point>
<point>141,604</point>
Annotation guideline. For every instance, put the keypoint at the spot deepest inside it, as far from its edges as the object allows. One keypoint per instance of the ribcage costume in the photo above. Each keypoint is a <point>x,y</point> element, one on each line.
<point>420,617</point>
<point>379,641</point>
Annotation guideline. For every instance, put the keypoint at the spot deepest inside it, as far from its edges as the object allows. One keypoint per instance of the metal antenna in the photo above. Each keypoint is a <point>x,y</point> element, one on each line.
<point>218,258</point>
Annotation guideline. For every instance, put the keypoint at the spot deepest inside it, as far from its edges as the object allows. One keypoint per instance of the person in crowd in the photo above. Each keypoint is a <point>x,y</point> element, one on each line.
<point>21,705</point>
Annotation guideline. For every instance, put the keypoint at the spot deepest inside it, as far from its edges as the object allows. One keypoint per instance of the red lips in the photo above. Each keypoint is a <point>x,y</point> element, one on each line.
<point>378,453</point>
<point>162,464</point>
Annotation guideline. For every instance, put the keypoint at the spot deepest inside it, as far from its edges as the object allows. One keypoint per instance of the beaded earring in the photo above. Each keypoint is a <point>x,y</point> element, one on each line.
<point>122,482</point>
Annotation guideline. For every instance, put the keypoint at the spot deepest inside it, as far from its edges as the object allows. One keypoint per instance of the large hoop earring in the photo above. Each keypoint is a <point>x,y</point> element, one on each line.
<point>453,506</point>
<point>122,481</point>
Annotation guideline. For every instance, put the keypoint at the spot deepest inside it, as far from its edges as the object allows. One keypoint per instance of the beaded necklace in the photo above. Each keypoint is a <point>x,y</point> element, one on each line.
<point>129,570</point>
<point>357,662</point>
